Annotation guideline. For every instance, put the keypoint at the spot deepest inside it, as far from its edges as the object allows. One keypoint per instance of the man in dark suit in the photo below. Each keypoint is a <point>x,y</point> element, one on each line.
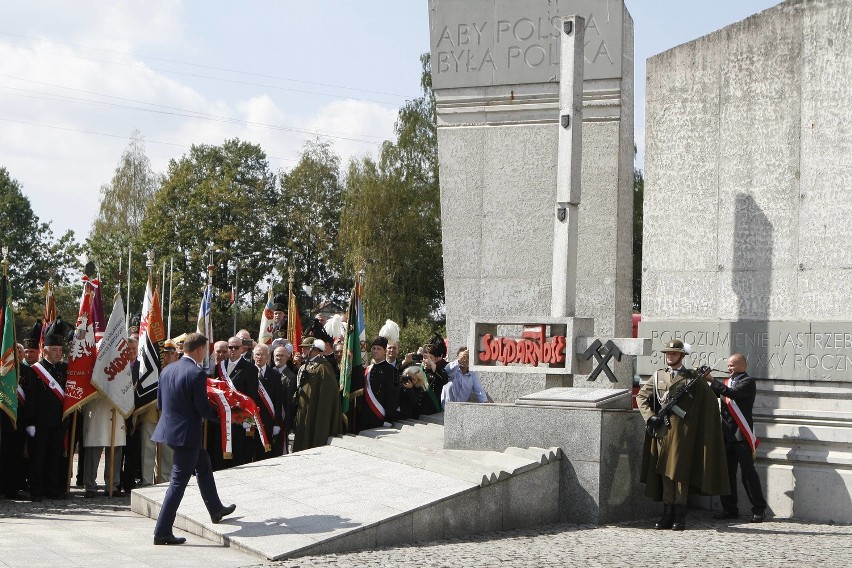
<point>244,377</point>
<point>271,402</point>
<point>737,394</point>
<point>182,399</point>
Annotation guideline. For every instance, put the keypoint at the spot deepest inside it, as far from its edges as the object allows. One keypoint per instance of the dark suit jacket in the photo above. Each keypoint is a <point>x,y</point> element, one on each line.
<point>182,399</point>
<point>743,392</point>
<point>244,377</point>
<point>271,380</point>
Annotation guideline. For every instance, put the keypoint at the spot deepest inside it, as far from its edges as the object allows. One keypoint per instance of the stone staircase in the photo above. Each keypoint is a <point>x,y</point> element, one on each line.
<point>388,486</point>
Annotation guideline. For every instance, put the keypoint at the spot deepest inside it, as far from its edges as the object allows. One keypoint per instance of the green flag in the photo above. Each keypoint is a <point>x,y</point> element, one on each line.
<point>9,370</point>
<point>351,347</point>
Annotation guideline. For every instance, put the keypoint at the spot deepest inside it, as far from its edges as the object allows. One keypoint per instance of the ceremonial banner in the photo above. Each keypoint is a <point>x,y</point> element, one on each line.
<point>9,364</point>
<point>267,322</point>
<point>351,346</point>
<point>81,359</point>
<point>152,334</point>
<point>112,376</point>
<point>99,321</point>
<point>49,314</point>
<point>294,322</point>
<point>204,326</point>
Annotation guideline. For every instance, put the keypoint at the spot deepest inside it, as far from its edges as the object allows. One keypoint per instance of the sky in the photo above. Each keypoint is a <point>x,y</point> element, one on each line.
<point>77,78</point>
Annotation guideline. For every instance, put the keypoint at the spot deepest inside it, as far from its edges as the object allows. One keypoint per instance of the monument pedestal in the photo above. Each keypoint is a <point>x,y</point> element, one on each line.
<point>599,475</point>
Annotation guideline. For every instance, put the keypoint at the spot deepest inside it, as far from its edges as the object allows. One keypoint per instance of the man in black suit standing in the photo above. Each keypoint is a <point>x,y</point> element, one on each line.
<point>182,399</point>
<point>244,377</point>
<point>737,394</point>
<point>271,392</point>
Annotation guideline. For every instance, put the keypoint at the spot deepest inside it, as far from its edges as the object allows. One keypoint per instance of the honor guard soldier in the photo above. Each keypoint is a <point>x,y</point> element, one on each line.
<point>683,451</point>
<point>381,389</point>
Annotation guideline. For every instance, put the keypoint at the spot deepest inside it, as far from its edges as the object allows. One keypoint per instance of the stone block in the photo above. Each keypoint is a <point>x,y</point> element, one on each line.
<point>532,497</point>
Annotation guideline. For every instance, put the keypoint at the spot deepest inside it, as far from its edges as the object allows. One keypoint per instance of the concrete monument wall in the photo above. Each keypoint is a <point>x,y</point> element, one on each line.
<point>748,196</point>
<point>495,69</point>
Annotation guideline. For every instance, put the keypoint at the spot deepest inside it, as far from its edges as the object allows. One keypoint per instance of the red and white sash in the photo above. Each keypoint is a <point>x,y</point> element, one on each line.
<point>48,380</point>
<point>223,373</point>
<point>374,404</point>
<point>736,413</point>
<point>264,396</point>
<point>22,396</point>
<point>225,424</point>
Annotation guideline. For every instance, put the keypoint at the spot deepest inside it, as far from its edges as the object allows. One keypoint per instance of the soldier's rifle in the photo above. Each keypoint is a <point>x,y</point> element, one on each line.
<point>659,423</point>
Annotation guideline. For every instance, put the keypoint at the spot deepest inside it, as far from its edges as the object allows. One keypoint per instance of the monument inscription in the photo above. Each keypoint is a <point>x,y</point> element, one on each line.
<point>482,42</point>
<point>820,351</point>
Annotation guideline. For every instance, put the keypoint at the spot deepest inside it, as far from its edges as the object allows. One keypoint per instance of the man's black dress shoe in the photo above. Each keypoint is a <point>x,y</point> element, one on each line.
<point>758,517</point>
<point>216,518</point>
<point>171,539</point>
<point>725,515</point>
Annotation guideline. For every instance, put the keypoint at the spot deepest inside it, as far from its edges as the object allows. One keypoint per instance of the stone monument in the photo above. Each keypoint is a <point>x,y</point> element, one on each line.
<point>749,146</point>
<point>495,75</point>
<point>526,92</point>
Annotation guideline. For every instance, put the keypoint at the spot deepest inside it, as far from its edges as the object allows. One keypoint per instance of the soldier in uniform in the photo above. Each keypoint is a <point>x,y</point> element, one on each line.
<point>318,415</point>
<point>380,382</point>
<point>45,394</point>
<point>688,454</point>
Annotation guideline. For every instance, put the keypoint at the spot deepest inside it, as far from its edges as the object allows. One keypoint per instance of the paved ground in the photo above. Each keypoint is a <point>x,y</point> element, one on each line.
<point>103,532</point>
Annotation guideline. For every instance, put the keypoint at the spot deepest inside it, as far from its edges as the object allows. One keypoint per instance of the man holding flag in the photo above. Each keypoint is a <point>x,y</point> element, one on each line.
<point>11,442</point>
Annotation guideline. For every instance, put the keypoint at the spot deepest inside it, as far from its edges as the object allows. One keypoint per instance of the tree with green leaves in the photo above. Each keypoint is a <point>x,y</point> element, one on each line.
<point>216,207</point>
<point>35,255</point>
<point>122,208</point>
<point>391,220</point>
<point>307,223</point>
<point>638,197</point>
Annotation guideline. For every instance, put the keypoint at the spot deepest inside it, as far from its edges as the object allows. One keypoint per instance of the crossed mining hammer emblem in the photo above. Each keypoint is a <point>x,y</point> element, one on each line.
<point>610,350</point>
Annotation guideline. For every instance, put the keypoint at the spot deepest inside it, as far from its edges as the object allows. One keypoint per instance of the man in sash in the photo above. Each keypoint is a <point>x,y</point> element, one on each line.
<point>381,389</point>
<point>45,394</point>
<point>683,455</point>
<point>737,393</point>
<point>271,392</point>
<point>243,376</point>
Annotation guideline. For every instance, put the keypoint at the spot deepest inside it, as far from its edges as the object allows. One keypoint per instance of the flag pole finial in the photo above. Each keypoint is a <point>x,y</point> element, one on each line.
<point>5,261</point>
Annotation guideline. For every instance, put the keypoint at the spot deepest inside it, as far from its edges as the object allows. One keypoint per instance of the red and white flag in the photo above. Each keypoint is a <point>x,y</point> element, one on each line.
<point>267,322</point>
<point>81,359</point>
<point>112,376</point>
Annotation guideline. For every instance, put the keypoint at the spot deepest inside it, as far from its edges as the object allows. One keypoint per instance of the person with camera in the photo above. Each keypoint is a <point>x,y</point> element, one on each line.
<point>683,450</point>
<point>415,397</point>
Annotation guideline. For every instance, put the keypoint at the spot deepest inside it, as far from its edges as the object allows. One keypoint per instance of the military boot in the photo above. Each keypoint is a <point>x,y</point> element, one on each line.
<point>679,518</point>
<point>666,520</point>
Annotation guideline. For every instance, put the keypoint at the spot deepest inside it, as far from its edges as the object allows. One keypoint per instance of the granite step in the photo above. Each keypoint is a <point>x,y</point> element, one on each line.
<point>350,495</point>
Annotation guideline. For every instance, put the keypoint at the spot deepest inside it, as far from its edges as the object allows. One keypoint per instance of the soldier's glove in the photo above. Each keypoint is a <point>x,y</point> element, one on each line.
<point>276,430</point>
<point>654,422</point>
<point>246,426</point>
<point>30,431</point>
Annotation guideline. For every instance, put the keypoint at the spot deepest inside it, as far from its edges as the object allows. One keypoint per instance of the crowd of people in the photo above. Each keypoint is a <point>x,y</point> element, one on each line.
<point>296,389</point>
